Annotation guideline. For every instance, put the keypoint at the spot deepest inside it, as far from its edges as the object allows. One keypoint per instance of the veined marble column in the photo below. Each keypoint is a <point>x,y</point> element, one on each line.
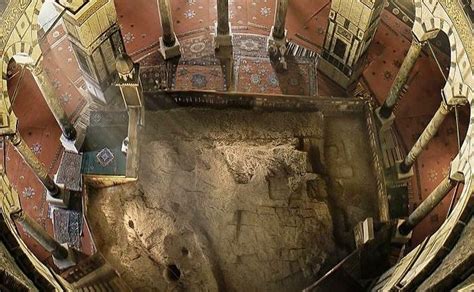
<point>276,45</point>
<point>169,44</point>
<point>33,162</point>
<point>54,104</point>
<point>427,205</point>
<point>425,137</point>
<point>62,257</point>
<point>386,110</point>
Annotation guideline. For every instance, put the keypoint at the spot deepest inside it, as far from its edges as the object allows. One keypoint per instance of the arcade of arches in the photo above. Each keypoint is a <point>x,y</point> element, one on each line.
<point>236,145</point>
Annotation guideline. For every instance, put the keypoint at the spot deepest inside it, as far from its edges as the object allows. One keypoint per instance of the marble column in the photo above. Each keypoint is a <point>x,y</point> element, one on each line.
<point>279,29</point>
<point>223,43</point>
<point>62,256</point>
<point>223,27</point>
<point>276,45</point>
<point>40,235</point>
<point>55,195</point>
<point>169,45</point>
<point>223,31</point>
<point>441,191</point>
<point>425,137</point>
<point>54,104</point>
<point>33,162</point>
<point>386,110</point>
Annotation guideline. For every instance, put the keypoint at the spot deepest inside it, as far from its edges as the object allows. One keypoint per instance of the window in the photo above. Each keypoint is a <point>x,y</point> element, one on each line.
<point>83,62</point>
<point>340,48</point>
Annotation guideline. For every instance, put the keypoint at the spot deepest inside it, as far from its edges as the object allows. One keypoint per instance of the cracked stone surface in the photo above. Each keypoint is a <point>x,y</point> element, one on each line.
<point>229,198</point>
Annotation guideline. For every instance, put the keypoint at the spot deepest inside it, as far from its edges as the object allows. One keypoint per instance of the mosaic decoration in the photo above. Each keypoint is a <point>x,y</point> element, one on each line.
<point>189,14</point>
<point>68,227</point>
<point>265,11</point>
<point>56,83</point>
<point>66,97</point>
<point>432,175</point>
<point>36,148</point>
<point>28,192</point>
<point>105,157</point>
<point>128,37</point>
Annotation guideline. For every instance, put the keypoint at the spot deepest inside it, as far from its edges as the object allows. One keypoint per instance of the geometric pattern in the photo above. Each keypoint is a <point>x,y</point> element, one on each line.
<point>105,157</point>
<point>68,227</point>
<point>69,172</point>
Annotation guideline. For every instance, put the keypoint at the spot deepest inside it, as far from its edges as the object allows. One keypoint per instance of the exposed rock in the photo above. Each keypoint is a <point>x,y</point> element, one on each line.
<point>224,202</point>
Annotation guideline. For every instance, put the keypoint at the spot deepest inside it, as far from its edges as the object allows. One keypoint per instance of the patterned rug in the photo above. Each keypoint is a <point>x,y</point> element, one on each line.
<point>199,74</point>
<point>197,47</point>
<point>68,227</point>
<point>258,75</point>
<point>250,45</point>
<point>155,78</point>
<point>69,172</point>
<point>198,68</point>
<point>255,73</point>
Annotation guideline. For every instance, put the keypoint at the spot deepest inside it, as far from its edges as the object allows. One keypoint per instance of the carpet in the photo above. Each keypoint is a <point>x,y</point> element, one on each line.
<point>68,227</point>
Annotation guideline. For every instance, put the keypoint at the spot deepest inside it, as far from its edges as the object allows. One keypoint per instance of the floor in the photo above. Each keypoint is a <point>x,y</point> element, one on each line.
<point>306,24</point>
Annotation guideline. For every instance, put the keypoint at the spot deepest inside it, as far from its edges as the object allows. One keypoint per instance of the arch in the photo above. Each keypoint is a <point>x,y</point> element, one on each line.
<point>16,49</point>
<point>424,258</point>
<point>34,20</point>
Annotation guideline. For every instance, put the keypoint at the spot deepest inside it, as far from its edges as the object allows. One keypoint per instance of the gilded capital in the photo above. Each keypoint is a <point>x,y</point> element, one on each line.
<point>72,5</point>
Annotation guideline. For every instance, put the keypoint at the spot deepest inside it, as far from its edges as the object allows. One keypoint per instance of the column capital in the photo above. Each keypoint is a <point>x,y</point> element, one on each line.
<point>72,5</point>
<point>15,139</point>
<point>18,216</point>
<point>455,169</point>
<point>37,71</point>
<point>445,108</point>
<point>415,41</point>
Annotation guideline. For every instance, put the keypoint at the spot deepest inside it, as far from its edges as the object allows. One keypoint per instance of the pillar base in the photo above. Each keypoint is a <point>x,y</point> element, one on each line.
<point>68,262</point>
<point>383,123</point>
<point>398,237</point>
<point>62,201</point>
<point>277,43</point>
<point>73,145</point>
<point>403,176</point>
<point>454,171</point>
<point>170,52</point>
<point>222,40</point>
